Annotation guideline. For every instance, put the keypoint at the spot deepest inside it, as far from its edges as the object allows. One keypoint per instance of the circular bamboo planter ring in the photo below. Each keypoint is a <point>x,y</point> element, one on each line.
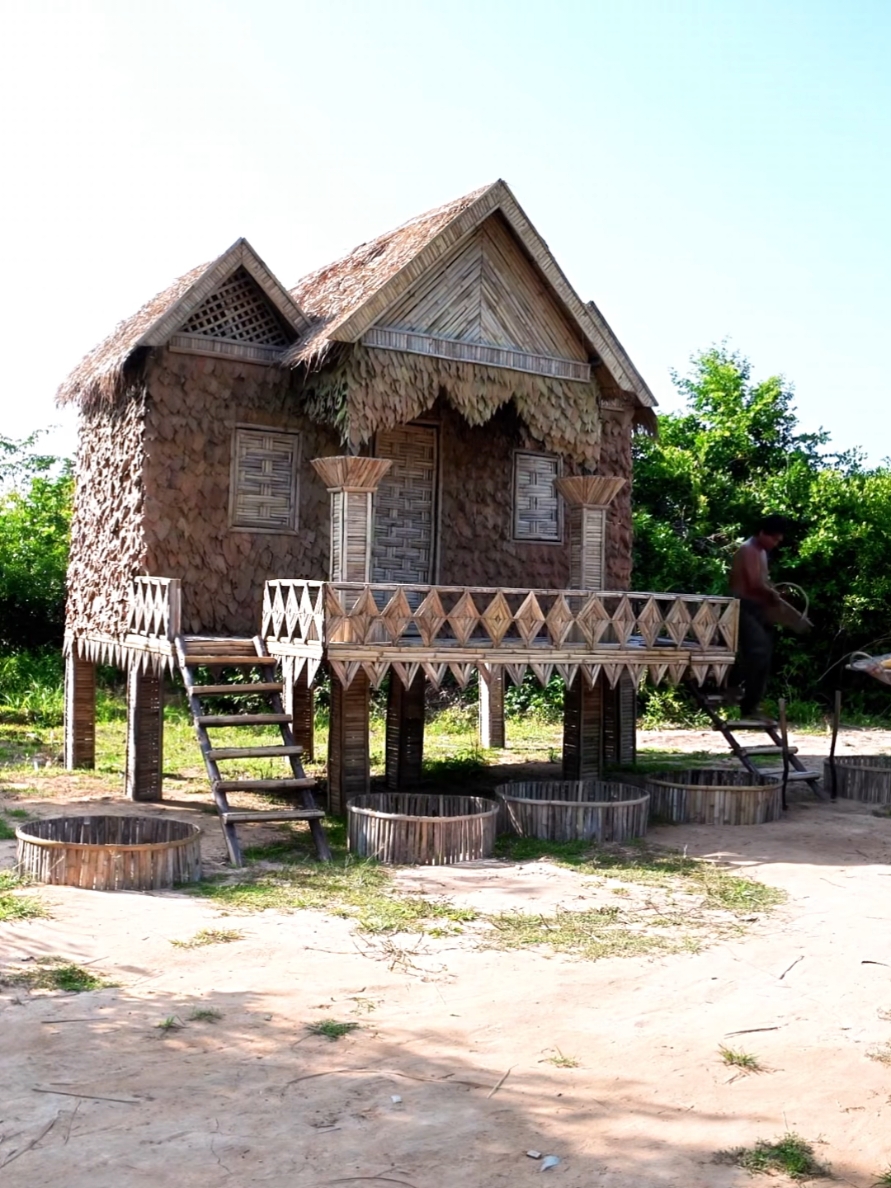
<point>861,777</point>
<point>713,796</point>
<point>422,828</point>
<point>573,810</point>
<point>110,853</point>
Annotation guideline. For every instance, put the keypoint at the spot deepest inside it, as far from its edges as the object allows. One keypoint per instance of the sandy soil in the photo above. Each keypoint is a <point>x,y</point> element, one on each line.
<point>94,1095</point>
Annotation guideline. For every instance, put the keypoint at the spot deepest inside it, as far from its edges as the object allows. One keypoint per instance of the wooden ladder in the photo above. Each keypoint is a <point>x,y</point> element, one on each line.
<point>792,769</point>
<point>228,653</point>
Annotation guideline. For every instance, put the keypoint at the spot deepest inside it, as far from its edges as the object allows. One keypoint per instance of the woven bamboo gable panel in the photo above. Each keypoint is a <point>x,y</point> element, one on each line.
<point>536,504</point>
<point>405,506</point>
<point>265,485</point>
<point>239,311</point>
<point>486,293</point>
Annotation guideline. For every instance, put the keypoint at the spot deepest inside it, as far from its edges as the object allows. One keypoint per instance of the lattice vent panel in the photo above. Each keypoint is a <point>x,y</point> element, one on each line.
<point>240,312</point>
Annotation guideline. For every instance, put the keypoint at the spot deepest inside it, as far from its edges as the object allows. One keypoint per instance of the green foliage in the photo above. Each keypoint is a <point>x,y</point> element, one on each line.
<point>736,453</point>
<point>31,689</point>
<point>789,1154</point>
<point>14,906</point>
<point>35,514</point>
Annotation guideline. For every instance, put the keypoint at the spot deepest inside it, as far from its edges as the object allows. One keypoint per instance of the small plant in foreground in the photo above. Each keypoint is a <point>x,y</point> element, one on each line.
<point>789,1154</point>
<point>210,936</point>
<point>743,1060</point>
<point>13,906</point>
<point>331,1029</point>
<point>7,831</point>
<point>882,1054</point>
<point>561,1061</point>
<point>205,1015</point>
<point>54,973</point>
<point>884,1180</point>
<point>171,1023</point>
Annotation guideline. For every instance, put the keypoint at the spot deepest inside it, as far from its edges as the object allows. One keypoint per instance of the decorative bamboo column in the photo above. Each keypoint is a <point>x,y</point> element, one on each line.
<point>299,703</point>
<point>405,732</point>
<point>492,732</point>
<point>351,483</point>
<point>587,498</point>
<point>145,734</point>
<point>80,711</point>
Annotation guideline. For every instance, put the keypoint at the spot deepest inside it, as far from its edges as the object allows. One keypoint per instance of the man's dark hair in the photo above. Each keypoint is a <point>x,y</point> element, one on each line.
<point>774,525</point>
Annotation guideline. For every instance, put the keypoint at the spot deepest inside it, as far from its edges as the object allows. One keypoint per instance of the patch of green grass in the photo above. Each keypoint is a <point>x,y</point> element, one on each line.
<point>14,906</point>
<point>561,1061</point>
<point>55,973</point>
<point>743,1060</point>
<point>789,1154</point>
<point>464,765</point>
<point>331,1029</point>
<point>639,863</point>
<point>17,814</point>
<point>205,1015</point>
<point>210,936</point>
<point>592,935</point>
<point>171,1023</point>
<point>884,1179</point>
<point>7,831</point>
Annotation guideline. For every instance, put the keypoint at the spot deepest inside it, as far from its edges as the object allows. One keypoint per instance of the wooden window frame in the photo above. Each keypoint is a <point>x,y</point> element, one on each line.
<point>270,530</point>
<point>515,536</point>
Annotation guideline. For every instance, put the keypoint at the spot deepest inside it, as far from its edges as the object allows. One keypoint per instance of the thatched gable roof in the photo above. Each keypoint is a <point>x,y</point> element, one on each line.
<point>346,298</point>
<point>103,373</point>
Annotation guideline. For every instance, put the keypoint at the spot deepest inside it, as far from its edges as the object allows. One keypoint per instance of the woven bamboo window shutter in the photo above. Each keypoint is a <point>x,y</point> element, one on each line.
<point>536,506</point>
<point>264,488</point>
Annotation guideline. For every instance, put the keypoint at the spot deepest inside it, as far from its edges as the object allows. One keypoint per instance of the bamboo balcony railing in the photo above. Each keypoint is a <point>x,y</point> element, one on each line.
<point>376,627</point>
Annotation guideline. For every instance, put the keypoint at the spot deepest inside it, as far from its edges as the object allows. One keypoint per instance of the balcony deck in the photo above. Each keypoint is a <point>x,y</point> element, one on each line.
<point>376,627</point>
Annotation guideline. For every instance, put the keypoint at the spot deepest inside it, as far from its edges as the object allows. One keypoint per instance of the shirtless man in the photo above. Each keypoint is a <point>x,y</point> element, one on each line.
<point>749,583</point>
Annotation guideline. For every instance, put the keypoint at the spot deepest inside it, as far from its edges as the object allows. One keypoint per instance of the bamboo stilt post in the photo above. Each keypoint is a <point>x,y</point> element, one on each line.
<point>405,732</point>
<point>145,735</point>
<point>299,702</point>
<point>351,483</point>
<point>583,730</point>
<point>836,722</point>
<point>491,708</point>
<point>784,736</point>
<point>80,711</point>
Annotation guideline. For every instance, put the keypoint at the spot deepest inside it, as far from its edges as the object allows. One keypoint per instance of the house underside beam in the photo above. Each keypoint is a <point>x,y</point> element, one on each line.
<point>405,732</point>
<point>145,735</point>
<point>492,731</point>
<point>349,759</point>
<point>583,729</point>
<point>80,711</point>
<point>299,701</point>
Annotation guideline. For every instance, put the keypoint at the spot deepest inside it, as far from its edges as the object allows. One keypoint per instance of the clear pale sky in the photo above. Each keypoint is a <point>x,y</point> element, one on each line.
<point>702,170</point>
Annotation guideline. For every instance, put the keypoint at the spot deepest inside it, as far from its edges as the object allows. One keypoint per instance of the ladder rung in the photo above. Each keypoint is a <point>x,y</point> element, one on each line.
<point>242,719</point>
<point>769,750</point>
<point>793,774</point>
<point>244,689</point>
<point>253,752</point>
<point>273,815</point>
<point>748,724</point>
<point>282,785</point>
<point>190,660</point>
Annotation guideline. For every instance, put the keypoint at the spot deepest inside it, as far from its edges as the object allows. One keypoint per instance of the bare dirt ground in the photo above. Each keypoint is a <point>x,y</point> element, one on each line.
<point>447,1081</point>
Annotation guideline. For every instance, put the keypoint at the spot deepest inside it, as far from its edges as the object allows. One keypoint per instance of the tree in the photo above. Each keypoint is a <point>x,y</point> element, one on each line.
<point>35,517</point>
<point>736,453</point>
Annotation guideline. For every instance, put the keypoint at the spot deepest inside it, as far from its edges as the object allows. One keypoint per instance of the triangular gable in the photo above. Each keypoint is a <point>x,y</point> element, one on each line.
<point>373,312</point>
<point>488,292</point>
<point>236,308</point>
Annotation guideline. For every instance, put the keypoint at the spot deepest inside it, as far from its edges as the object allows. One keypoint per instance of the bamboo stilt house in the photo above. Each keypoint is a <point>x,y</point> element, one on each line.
<point>415,462</point>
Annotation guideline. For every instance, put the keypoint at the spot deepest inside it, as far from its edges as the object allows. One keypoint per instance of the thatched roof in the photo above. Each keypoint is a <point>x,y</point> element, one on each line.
<point>103,373</point>
<point>346,298</point>
<point>340,302</point>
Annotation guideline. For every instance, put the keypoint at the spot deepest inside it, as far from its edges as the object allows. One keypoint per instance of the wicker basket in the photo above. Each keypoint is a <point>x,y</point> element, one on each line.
<point>421,827</point>
<point>861,777</point>
<point>569,810</point>
<point>713,796</point>
<point>110,853</point>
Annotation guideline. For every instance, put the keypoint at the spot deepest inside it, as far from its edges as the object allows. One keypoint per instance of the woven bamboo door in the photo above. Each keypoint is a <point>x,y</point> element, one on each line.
<point>404,543</point>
